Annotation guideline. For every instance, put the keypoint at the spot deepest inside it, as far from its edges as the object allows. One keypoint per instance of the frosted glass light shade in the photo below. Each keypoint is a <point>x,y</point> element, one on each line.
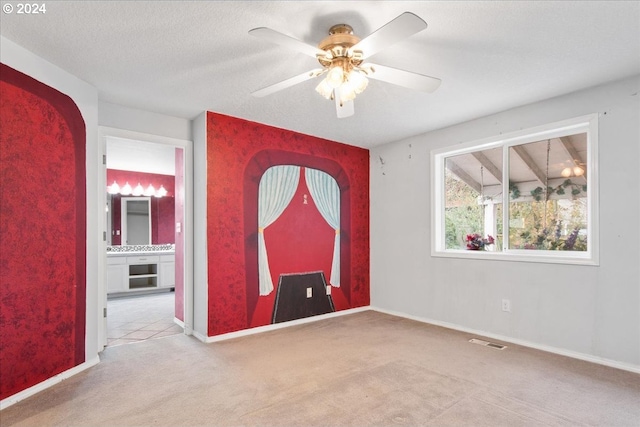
<point>113,188</point>
<point>138,191</point>
<point>324,89</point>
<point>335,77</point>
<point>150,191</point>
<point>358,81</point>
<point>126,190</point>
<point>161,191</point>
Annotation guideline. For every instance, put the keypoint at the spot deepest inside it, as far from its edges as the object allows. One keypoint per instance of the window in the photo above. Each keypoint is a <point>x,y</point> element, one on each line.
<point>528,196</point>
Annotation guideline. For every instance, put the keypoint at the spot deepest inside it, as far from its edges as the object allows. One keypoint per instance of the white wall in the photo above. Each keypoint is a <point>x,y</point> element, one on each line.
<point>120,117</point>
<point>587,311</point>
<point>86,98</point>
<point>200,261</point>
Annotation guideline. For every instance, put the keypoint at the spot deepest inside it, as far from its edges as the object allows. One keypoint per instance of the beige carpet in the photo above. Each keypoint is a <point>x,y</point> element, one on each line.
<point>363,369</point>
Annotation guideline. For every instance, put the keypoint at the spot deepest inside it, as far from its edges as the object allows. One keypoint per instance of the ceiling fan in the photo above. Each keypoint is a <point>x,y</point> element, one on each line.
<point>342,56</point>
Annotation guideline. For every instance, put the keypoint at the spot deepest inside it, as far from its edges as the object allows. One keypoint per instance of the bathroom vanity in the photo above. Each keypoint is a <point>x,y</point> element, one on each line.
<point>140,268</point>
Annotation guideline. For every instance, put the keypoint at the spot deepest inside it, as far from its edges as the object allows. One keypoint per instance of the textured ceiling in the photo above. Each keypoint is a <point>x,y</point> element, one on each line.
<point>182,58</point>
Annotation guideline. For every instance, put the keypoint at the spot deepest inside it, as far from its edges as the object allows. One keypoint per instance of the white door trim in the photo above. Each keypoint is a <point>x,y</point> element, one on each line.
<point>187,146</point>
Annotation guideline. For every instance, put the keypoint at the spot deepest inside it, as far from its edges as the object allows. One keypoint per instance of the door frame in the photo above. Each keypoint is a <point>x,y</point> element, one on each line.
<point>104,132</point>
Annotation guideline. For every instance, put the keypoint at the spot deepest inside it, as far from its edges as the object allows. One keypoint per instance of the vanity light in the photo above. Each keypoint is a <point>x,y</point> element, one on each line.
<point>138,191</point>
<point>126,190</point>
<point>150,191</point>
<point>113,188</point>
<point>161,191</point>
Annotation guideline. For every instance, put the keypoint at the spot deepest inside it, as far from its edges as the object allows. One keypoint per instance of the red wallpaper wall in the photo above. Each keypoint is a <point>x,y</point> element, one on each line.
<point>162,209</point>
<point>43,227</point>
<point>238,153</point>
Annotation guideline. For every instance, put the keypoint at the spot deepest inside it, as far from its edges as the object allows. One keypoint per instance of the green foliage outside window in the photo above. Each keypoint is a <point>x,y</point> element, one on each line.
<point>463,214</point>
<point>559,227</point>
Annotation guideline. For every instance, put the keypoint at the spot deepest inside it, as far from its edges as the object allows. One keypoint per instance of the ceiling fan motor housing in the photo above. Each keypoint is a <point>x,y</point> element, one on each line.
<point>337,46</point>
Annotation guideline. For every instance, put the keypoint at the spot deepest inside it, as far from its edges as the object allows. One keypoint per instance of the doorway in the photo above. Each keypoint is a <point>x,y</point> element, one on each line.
<point>148,289</point>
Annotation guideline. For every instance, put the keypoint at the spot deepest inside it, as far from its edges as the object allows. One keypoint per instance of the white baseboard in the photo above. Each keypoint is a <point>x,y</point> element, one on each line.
<point>199,336</point>
<point>549,349</point>
<point>11,400</point>
<point>178,322</point>
<point>273,327</point>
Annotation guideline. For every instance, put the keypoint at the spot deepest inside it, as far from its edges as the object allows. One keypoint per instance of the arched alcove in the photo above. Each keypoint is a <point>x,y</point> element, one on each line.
<point>43,246</point>
<point>254,170</point>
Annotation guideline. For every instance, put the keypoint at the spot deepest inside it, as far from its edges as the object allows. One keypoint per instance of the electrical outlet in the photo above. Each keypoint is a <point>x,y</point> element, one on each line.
<point>328,289</point>
<point>309,294</point>
<point>506,305</point>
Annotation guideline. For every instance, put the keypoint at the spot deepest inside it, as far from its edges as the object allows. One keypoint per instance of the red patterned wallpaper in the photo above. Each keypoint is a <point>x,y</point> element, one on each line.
<point>43,228</point>
<point>238,152</point>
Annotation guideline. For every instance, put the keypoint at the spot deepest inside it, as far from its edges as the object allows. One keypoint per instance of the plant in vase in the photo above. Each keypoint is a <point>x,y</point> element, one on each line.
<point>476,242</point>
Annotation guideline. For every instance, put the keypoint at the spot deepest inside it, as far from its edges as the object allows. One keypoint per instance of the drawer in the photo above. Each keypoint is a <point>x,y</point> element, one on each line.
<point>167,258</point>
<point>144,259</point>
<point>116,260</point>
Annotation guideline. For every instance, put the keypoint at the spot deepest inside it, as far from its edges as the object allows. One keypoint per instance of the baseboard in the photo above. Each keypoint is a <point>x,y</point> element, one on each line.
<point>549,349</point>
<point>178,322</point>
<point>11,400</point>
<point>273,327</point>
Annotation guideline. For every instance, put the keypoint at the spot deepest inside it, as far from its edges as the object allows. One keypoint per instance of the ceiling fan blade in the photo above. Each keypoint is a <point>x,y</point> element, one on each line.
<point>402,78</point>
<point>401,27</point>
<point>343,108</point>
<point>288,83</point>
<point>286,41</point>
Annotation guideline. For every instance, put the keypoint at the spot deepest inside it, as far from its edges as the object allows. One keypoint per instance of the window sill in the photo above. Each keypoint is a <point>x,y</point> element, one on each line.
<point>547,257</point>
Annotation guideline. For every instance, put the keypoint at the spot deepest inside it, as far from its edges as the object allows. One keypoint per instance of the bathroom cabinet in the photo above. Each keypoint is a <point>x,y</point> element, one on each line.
<point>127,272</point>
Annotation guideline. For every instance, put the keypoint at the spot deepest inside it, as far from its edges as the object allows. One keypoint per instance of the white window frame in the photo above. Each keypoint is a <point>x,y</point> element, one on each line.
<point>588,124</point>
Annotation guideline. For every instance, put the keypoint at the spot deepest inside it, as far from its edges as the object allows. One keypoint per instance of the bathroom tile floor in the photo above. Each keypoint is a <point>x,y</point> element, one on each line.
<point>141,317</point>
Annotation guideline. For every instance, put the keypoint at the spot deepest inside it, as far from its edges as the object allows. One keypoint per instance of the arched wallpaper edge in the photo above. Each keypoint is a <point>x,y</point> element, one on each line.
<point>232,143</point>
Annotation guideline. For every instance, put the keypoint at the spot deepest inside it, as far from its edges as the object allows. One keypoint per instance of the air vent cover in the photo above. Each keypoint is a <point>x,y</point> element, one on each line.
<point>487,343</point>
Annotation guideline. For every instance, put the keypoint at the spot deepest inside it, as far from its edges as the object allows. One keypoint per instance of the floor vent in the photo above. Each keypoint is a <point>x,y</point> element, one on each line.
<point>487,344</point>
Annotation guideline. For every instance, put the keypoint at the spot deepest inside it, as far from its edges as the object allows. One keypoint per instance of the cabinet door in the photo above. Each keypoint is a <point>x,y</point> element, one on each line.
<point>167,274</point>
<point>117,278</point>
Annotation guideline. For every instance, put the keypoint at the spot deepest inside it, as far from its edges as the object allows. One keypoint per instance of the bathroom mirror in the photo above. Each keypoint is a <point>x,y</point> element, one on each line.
<point>136,220</point>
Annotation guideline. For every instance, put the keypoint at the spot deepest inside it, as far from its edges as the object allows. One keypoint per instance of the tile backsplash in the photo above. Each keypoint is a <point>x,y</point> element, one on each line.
<point>142,248</point>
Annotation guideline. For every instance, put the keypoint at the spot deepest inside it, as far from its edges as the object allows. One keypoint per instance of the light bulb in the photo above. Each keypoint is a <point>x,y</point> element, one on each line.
<point>358,81</point>
<point>126,190</point>
<point>150,191</point>
<point>347,92</point>
<point>138,191</point>
<point>161,191</point>
<point>335,77</point>
<point>324,89</point>
<point>578,171</point>
<point>566,172</point>
<point>113,188</point>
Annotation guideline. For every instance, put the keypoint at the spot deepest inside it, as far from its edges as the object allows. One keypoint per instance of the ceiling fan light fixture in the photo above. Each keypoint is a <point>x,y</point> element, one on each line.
<point>341,55</point>
<point>358,81</point>
<point>335,76</point>
<point>324,89</point>
<point>347,93</point>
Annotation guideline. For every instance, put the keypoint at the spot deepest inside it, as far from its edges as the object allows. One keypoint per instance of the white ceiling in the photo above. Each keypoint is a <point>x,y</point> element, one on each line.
<point>182,58</point>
